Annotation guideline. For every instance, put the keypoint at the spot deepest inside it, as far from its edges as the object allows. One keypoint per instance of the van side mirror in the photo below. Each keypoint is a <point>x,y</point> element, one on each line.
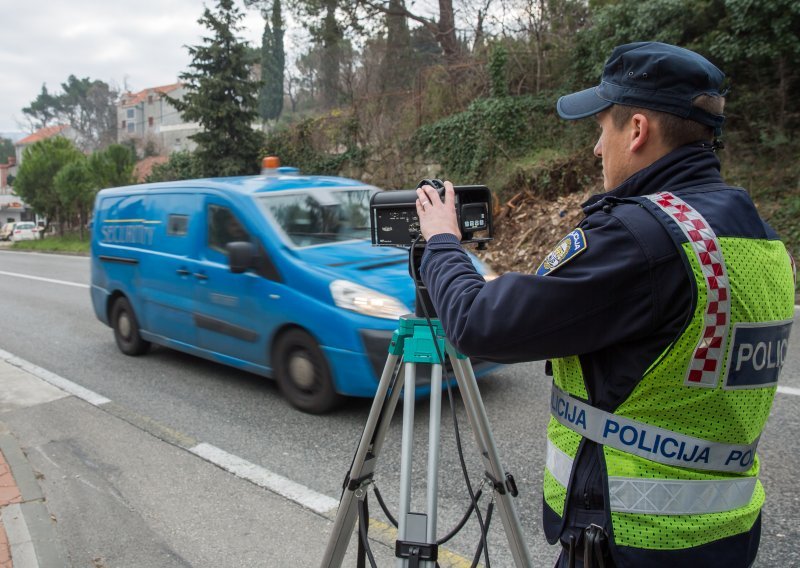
<point>241,256</point>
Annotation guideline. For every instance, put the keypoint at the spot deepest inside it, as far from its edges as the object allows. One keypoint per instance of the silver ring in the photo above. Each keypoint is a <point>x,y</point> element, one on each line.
<point>424,203</point>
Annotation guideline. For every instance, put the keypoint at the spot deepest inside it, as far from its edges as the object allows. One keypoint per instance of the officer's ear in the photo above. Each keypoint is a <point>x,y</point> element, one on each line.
<point>639,132</point>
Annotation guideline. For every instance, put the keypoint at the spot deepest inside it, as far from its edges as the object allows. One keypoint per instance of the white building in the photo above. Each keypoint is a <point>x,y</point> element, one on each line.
<point>152,123</point>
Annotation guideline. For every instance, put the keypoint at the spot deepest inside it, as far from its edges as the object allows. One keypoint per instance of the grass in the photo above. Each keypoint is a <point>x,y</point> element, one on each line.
<point>71,244</point>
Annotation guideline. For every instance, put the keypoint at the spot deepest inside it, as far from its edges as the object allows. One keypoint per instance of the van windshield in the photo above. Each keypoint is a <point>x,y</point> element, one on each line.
<point>322,216</point>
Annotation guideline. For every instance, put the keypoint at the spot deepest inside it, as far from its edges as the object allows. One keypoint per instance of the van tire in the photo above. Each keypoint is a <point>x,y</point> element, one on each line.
<point>126,328</point>
<point>303,374</point>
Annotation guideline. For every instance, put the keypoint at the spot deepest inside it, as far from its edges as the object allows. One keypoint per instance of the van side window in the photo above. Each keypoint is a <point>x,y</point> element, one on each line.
<point>224,228</point>
<point>177,225</point>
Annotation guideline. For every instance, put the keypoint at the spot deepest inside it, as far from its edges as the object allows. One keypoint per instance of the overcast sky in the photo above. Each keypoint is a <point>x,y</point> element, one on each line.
<point>137,44</point>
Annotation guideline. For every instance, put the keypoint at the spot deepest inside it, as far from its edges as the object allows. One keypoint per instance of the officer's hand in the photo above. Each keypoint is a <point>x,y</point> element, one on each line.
<point>436,217</point>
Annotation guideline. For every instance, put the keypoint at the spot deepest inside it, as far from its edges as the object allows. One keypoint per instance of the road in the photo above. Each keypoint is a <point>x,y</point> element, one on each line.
<point>48,320</point>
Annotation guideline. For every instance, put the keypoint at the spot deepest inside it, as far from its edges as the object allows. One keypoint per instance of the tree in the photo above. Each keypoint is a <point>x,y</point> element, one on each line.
<point>180,165</point>
<point>759,42</point>
<point>88,106</point>
<point>679,22</point>
<point>444,29</point>
<point>331,34</point>
<point>41,163</point>
<point>112,167</point>
<point>222,97</point>
<point>325,55</point>
<point>43,110</point>
<point>397,64</point>
<point>754,41</point>
<point>547,32</point>
<point>273,60</point>
<point>75,186</point>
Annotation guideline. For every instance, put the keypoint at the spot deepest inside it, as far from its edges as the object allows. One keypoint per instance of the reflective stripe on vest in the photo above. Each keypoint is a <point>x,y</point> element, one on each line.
<point>706,362</point>
<point>648,441</point>
<point>662,496</point>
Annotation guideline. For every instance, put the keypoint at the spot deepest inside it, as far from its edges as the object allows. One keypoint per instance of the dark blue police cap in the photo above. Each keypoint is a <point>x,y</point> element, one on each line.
<point>651,75</point>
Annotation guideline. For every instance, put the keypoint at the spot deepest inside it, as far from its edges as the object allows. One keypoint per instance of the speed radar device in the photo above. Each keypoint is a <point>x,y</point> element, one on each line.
<point>394,220</point>
<point>420,342</point>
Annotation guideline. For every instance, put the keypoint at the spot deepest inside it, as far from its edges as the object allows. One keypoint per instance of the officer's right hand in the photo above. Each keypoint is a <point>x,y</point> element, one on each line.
<point>436,217</point>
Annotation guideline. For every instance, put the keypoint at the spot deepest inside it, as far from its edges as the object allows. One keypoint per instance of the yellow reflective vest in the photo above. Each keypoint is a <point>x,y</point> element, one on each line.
<point>680,461</point>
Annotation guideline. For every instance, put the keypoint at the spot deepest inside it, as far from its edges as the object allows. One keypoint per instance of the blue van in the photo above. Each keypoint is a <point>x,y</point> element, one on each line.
<point>273,274</point>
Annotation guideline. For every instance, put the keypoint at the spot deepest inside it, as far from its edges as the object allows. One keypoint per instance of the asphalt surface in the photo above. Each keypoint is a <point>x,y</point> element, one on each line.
<point>119,494</point>
<point>54,328</point>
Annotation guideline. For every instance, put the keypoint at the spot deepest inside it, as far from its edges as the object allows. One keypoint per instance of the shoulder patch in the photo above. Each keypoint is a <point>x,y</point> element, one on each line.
<point>567,248</point>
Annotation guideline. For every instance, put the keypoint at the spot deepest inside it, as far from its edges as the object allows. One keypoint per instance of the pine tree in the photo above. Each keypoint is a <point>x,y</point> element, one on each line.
<point>273,64</point>
<point>222,97</point>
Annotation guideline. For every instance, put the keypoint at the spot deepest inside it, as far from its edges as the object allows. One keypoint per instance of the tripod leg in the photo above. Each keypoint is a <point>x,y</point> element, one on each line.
<point>416,535</point>
<point>363,466</point>
<point>407,448</point>
<point>434,433</point>
<point>476,413</point>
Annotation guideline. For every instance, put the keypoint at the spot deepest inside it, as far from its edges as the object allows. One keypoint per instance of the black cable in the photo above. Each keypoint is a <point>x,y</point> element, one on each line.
<point>362,532</point>
<point>477,556</point>
<point>462,522</point>
<point>473,500</point>
<point>386,512</point>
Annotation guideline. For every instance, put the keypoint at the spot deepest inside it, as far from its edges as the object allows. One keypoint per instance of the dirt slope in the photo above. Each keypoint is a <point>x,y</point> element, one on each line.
<point>527,227</point>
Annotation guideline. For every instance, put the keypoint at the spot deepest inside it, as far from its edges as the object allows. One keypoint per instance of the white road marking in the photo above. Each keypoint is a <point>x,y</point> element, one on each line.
<point>239,467</point>
<point>789,390</point>
<point>84,257</point>
<point>55,380</point>
<point>41,279</point>
<point>262,477</point>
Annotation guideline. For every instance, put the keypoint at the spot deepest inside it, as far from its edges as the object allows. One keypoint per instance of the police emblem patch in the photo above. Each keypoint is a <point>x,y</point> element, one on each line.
<point>567,248</point>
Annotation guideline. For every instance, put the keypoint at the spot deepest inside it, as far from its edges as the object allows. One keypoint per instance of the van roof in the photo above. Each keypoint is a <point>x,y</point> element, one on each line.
<point>245,184</point>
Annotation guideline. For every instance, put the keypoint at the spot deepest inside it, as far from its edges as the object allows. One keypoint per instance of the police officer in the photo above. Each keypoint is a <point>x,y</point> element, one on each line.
<point>665,315</point>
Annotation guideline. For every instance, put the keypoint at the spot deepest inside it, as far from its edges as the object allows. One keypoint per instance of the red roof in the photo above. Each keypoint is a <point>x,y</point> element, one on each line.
<point>145,166</point>
<point>129,99</point>
<point>42,134</point>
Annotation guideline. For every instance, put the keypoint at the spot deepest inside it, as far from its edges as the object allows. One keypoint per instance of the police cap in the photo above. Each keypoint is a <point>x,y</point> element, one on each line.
<point>651,75</point>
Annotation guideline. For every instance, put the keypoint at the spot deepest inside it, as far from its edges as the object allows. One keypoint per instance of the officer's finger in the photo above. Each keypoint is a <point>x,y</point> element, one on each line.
<point>430,194</point>
<point>423,199</point>
<point>449,195</point>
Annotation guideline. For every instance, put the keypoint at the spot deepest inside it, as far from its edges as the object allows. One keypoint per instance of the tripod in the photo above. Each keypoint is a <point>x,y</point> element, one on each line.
<point>416,544</point>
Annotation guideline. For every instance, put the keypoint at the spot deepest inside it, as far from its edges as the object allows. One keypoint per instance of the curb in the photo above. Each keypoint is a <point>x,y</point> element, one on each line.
<point>29,528</point>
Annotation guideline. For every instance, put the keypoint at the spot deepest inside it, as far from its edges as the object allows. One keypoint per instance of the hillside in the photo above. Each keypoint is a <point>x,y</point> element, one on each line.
<point>527,227</point>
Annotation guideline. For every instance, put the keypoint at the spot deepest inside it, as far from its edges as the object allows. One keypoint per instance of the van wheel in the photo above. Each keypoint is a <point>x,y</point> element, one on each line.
<point>303,374</point>
<point>126,328</point>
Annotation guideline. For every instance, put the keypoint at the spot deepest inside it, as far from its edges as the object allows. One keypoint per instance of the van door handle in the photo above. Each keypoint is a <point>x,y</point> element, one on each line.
<point>200,276</point>
<point>182,272</point>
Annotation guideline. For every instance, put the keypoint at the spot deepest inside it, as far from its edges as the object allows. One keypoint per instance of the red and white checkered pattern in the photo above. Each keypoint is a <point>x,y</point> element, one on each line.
<point>706,363</point>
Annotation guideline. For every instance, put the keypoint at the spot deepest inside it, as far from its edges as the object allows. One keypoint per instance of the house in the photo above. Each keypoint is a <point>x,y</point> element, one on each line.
<point>7,169</point>
<point>145,166</point>
<point>12,207</point>
<point>155,126</point>
<point>64,130</point>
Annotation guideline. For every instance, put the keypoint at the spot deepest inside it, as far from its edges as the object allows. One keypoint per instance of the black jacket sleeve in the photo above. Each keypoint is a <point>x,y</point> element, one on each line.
<point>613,292</point>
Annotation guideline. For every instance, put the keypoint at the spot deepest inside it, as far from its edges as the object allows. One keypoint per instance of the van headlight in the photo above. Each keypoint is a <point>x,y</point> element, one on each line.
<point>363,300</point>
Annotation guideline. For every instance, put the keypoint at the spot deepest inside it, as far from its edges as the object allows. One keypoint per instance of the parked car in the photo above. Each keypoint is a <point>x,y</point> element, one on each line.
<point>6,230</point>
<point>314,305</point>
<point>25,231</point>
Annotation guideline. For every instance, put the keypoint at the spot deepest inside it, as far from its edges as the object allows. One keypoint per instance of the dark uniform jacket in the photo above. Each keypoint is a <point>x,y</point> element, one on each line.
<point>618,305</point>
